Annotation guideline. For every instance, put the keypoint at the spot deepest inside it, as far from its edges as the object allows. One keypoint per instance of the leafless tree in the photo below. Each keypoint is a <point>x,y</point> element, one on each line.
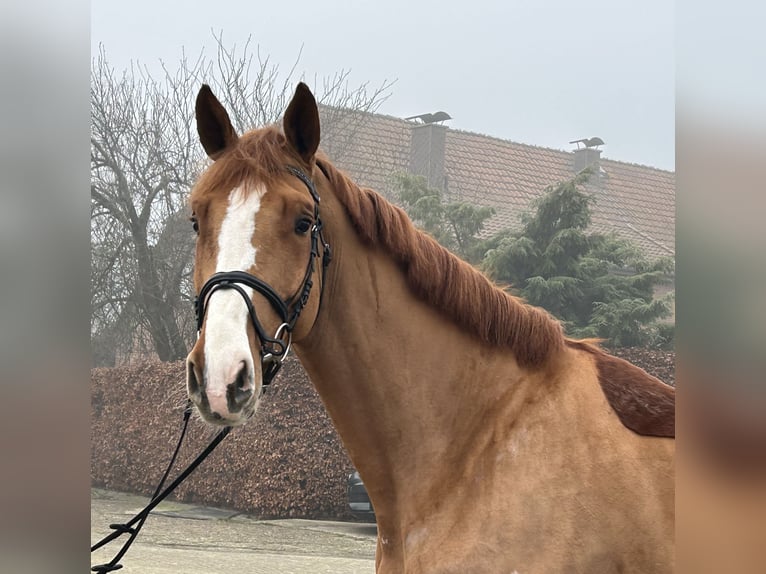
<point>145,157</point>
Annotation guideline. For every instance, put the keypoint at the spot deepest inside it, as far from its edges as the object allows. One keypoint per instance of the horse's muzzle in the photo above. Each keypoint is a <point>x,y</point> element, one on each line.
<point>227,400</point>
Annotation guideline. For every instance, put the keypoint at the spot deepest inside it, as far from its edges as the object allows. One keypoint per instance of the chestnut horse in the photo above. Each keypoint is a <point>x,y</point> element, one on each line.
<point>487,440</point>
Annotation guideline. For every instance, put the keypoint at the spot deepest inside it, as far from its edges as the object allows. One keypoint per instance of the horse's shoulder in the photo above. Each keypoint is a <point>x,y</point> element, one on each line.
<point>642,402</point>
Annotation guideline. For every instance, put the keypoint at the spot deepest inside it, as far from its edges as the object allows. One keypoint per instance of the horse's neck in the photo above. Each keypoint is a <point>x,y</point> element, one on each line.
<point>405,387</point>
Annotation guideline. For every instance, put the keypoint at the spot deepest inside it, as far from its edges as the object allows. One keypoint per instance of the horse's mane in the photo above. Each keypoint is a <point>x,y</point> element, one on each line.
<point>435,275</point>
<point>445,281</point>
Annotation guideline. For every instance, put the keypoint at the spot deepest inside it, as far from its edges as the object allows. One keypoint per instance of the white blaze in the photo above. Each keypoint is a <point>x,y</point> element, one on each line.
<point>226,317</point>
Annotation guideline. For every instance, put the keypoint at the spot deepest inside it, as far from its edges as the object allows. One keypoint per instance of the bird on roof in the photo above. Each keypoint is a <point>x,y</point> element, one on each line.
<point>588,142</point>
<point>431,118</point>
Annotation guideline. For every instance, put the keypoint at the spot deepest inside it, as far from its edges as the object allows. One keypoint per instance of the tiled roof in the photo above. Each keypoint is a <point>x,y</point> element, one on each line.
<point>636,201</point>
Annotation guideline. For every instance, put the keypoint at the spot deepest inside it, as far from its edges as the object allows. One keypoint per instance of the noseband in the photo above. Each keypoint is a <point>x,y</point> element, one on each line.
<point>273,349</point>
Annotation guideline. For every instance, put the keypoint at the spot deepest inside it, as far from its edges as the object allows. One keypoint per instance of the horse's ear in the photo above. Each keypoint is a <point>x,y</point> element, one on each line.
<point>301,123</point>
<point>213,125</point>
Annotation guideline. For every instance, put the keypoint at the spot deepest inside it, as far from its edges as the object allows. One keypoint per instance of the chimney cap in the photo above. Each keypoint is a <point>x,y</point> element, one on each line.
<point>431,118</point>
<point>589,142</point>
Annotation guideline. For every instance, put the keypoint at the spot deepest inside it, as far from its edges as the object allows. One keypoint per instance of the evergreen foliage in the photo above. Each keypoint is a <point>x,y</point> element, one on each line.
<point>599,285</point>
<point>456,225</point>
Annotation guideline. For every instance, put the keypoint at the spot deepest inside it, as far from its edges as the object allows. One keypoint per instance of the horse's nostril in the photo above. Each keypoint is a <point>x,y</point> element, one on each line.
<point>191,378</point>
<point>239,393</point>
<point>243,378</point>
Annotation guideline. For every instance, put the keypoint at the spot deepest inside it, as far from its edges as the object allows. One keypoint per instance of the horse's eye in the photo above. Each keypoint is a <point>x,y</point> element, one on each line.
<point>302,225</point>
<point>195,224</point>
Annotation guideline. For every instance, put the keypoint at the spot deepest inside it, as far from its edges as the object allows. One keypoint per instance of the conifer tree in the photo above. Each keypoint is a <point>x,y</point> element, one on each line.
<point>599,285</point>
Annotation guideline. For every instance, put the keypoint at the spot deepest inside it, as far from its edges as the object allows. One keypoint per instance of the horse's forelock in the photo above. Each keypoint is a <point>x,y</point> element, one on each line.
<point>259,156</point>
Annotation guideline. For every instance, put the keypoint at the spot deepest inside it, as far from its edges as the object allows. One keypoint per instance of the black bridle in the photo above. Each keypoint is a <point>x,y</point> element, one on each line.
<point>273,349</point>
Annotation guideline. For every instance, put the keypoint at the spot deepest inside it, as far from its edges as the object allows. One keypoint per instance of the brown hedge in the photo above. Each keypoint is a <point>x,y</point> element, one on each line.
<point>288,462</point>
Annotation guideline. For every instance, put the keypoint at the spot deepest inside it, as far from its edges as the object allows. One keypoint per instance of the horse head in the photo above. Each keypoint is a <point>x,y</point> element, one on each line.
<point>257,269</point>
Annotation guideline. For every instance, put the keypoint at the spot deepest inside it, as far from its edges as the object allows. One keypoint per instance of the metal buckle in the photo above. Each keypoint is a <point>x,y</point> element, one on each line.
<point>276,357</point>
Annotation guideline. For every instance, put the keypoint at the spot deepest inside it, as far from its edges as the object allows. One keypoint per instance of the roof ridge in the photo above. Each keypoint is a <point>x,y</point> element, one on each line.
<point>641,165</point>
<point>506,141</point>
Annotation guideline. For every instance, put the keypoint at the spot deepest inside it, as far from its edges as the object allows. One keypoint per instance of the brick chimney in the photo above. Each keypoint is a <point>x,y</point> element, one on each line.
<point>585,157</point>
<point>427,153</point>
<point>588,154</point>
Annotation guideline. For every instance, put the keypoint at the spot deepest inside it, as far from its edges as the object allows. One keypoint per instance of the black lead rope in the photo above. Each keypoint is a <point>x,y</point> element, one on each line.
<point>134,525</point>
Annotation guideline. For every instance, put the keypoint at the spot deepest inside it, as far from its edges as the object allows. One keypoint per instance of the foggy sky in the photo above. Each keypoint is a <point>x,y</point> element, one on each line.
<point>540,73</point>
